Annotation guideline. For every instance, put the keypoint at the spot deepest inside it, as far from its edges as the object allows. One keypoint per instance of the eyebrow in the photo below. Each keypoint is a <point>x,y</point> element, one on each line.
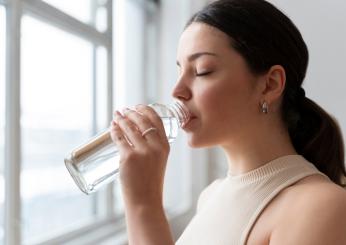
<point>194,56</point>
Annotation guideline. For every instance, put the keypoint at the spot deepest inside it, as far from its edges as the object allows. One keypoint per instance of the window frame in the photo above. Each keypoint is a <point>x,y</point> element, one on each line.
<point>51,15</point>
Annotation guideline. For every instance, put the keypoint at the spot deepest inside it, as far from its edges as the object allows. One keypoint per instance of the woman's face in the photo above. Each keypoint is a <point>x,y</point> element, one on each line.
<point>217,86</point>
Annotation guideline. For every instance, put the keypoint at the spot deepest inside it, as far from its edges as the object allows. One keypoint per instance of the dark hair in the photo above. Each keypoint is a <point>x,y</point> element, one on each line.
<point>265,36</point>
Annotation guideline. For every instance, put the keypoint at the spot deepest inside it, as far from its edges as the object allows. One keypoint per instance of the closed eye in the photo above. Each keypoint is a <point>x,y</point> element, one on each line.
<point>203,73</point>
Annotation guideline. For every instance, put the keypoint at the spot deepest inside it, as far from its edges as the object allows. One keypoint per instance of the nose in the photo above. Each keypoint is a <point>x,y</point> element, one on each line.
<point>181,90</point>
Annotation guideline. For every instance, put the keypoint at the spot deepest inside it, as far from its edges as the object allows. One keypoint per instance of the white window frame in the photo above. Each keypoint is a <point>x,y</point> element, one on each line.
<point>15,9</point>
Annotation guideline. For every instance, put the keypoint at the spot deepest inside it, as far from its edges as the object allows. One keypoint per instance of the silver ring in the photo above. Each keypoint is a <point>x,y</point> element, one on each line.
<point>145,132</point>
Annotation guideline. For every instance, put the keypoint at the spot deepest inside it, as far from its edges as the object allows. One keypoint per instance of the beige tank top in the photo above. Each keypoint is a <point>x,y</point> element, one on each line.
<point>228,208</point>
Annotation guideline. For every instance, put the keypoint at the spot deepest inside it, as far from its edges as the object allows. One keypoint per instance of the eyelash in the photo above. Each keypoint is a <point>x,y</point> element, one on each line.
<point>203,74</point>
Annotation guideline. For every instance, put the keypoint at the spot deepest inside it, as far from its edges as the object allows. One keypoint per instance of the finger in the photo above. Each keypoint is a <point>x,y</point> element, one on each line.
<point>130,130</point>
<point>118,137</point>
<point>149,132</point>
<point>153,117</point>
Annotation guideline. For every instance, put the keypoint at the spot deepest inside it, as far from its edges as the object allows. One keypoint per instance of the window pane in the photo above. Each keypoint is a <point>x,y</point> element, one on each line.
<point>88,11</point>
<point>101,89</point>
<point>56,107</point>
<point>2,118</point>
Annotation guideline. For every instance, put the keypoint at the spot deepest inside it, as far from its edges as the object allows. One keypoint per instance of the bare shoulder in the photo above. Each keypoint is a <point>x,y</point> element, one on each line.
<point>315,213</point>
<point>316,192</point>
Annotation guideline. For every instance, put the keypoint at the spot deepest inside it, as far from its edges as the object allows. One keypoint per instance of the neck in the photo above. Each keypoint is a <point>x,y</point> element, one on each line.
<point>258,148</point>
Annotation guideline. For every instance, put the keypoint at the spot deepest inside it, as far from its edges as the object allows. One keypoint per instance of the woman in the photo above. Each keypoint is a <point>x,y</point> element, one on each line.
<point>241,68</point>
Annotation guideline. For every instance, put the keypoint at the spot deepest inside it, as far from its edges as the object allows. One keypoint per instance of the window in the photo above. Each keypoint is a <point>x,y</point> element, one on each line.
<point>88,11</point>
<point>56,116</point>
<point>2,119</point>
<point>64,99</point>
<point>79,9</point>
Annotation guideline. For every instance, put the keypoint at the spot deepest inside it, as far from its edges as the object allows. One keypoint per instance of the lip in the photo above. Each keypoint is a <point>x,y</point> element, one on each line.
<point>188,124</point>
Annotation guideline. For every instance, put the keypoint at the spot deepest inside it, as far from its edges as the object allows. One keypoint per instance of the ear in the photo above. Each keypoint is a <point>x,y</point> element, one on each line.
<point>274,82</point>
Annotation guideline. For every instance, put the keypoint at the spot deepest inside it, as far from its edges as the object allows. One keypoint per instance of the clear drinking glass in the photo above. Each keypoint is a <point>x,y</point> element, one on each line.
<point>96,163</point>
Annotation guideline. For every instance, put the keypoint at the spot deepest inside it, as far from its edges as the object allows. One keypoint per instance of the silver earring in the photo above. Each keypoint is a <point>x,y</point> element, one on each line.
<point>265,107</point>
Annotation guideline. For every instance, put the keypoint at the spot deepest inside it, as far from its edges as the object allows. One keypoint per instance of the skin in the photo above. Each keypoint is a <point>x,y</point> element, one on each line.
<point>225,99</point>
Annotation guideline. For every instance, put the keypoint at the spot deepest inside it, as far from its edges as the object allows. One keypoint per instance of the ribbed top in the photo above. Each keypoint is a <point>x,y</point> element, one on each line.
<point>269,169</point>
<point>228,208</point>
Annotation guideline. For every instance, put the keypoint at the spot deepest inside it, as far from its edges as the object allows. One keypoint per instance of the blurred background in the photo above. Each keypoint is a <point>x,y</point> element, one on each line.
<point>66,65</point>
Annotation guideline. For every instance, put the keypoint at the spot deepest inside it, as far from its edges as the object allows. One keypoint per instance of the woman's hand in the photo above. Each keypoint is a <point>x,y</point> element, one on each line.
<point>143,158</point>
<point>143,147</point>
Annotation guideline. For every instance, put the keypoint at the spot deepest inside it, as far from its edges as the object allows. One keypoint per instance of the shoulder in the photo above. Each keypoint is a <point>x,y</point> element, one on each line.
<point>315,213</point>
<point>315,192</point>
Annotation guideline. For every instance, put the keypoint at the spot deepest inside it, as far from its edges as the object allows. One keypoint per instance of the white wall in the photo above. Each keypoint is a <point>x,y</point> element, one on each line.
<point>323,26</point>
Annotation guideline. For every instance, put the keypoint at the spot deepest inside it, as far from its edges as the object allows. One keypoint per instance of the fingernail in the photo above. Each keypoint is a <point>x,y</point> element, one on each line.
<point>118,114</point>
<point>125,110</point>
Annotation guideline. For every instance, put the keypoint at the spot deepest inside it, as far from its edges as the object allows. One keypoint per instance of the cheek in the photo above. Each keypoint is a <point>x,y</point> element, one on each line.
<point>209,93</point>
<point>222,105</point>
<point>214,104</point>
<point>207,98</point>
<point>215,98</point>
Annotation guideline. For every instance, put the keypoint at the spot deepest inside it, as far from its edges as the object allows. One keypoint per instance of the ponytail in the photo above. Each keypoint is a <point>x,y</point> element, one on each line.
<point>317,136</point>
